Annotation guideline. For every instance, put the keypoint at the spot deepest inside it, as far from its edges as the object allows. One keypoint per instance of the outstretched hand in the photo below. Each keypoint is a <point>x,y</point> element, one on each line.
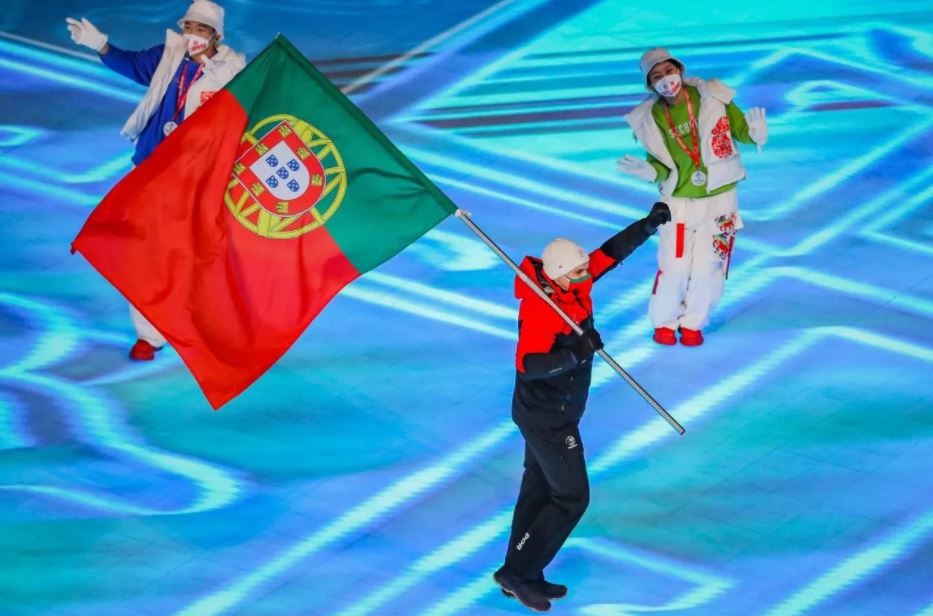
<point>83,32</point>
<point>757,125</point>
<point>701,86</point>
<point>638,167</point>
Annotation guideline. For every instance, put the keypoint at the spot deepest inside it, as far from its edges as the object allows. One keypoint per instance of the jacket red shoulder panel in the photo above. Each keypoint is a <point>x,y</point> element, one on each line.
<point>538,328</point>
<point>539,324</point>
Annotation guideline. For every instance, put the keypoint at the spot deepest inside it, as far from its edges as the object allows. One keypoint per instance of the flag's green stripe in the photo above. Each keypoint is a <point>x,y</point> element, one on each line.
<point>340,98</point>
<point>389,202</point>
<point>368,240</point>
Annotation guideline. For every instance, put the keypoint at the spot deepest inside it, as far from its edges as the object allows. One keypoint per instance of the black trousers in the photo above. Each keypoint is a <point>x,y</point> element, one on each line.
<point>554,494</point>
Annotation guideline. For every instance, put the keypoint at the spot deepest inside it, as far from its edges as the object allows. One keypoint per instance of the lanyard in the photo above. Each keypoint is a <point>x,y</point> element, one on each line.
<point>182,97</point>
<point>695,153</point>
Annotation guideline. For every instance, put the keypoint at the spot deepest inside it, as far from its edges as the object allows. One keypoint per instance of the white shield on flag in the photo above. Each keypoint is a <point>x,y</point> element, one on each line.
<point>282,172</point>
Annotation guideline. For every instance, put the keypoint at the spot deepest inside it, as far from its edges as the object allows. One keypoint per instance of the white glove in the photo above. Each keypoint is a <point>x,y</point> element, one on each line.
<point>638,167</point>
<point>700,85</point>
<point>85,33</point>
<point>757,126</point>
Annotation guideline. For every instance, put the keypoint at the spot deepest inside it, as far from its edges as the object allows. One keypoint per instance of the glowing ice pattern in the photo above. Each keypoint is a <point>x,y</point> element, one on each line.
<point>373,471</point>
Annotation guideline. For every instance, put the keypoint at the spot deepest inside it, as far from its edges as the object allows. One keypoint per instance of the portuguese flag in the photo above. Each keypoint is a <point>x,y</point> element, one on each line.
<point>241,226</point>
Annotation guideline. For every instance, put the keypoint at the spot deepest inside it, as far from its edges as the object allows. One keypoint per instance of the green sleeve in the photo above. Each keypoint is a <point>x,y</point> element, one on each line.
<point>662,170</point>
<point>738,124</point>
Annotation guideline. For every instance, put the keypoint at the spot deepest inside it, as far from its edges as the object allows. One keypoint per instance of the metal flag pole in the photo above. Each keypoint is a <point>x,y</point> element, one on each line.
<point>465,217</point>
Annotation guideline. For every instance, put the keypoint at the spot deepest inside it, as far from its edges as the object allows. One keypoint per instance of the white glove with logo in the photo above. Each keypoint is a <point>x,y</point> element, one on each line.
<point>85,33</point>
<point>757,126</point>
<point>638,167</point>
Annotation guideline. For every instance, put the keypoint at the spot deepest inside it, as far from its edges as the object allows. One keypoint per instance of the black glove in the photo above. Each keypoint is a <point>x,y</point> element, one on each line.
<point>660,213</point>
<point>586,345</point>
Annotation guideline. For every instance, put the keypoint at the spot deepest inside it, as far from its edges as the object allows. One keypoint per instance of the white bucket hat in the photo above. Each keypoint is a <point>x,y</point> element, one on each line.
<point>205,12</point>
<point>653,57</point>
<point>561,257</point>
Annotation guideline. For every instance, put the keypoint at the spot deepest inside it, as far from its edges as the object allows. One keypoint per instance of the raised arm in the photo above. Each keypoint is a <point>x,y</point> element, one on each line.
<point>622,244</point>
<point>139,66</point>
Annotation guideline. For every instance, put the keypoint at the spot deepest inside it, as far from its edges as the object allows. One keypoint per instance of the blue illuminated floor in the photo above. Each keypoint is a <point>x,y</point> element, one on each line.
<point>373,470</point>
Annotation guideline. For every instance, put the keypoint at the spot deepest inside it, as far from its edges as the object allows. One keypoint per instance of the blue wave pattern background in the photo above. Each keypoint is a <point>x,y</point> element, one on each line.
<point>373,470</point>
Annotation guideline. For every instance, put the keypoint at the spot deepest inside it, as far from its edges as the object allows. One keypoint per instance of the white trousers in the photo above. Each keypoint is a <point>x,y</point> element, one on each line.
<point>145,330</point>
<point>693,260</point>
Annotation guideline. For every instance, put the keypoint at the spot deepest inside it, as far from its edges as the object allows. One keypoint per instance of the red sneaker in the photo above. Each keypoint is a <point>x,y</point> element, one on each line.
<point>691,337</point>
<point>665,335</point>
<point>143,351</point>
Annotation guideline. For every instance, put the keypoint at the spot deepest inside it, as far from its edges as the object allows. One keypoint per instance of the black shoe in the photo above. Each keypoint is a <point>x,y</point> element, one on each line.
<point>549,590</point>
<point>526,592</point>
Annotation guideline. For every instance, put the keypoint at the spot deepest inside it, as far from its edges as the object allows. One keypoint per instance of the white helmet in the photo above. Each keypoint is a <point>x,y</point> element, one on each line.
<point>205,12</point>
<point>561,257</point>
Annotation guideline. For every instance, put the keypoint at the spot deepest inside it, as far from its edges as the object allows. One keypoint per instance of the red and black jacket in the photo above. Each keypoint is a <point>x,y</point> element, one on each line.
<point>552,385</point>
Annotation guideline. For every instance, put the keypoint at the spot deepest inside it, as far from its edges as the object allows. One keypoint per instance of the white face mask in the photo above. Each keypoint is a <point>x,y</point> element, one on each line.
<point>196,44</point>
<point>669,85</point>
